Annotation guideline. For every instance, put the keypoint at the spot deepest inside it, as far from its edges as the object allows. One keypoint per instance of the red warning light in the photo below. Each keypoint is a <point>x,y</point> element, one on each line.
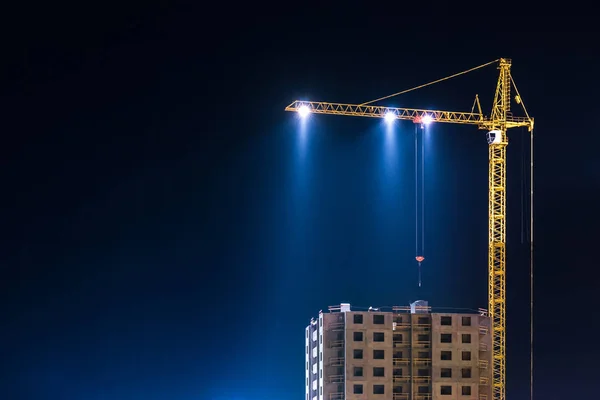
<point>420,258</point>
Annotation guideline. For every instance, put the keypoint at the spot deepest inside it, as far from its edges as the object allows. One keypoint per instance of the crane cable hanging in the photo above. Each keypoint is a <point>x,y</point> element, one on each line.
<point>432,83</point>
<point>419,250</point>
<point>423,189</point>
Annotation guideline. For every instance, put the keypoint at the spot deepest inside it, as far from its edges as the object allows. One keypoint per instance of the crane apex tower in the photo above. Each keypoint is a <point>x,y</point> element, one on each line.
<point>404,353</point>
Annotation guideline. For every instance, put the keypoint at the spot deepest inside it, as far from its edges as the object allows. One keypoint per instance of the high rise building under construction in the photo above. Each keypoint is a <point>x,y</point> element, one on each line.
<point>405,353</point>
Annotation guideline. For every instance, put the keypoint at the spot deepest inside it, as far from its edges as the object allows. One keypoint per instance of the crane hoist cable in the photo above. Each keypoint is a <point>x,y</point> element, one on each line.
<point>419,197</point>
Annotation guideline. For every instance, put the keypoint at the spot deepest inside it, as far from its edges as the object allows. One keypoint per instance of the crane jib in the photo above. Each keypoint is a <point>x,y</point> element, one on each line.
<point>409,114</point>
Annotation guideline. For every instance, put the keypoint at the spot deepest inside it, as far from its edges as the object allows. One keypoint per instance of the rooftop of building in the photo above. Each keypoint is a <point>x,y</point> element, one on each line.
<point>416,307</point>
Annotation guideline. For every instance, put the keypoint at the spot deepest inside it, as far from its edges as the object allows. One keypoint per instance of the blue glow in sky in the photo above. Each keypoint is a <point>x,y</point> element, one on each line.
<point>169,230</point>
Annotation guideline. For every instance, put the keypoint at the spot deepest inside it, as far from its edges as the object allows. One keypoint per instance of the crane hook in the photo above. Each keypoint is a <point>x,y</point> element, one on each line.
<point>420,259</point>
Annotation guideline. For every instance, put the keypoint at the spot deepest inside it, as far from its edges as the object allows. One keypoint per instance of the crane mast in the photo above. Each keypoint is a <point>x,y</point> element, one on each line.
<point>497,229</point>
<point>497,125</point>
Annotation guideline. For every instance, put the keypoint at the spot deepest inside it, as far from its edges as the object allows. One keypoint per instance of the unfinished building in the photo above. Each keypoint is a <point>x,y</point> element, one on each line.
<point>405,353</point>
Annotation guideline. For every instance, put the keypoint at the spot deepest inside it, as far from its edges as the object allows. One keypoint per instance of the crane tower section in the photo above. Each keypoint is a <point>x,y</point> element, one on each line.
<point>498,140</point>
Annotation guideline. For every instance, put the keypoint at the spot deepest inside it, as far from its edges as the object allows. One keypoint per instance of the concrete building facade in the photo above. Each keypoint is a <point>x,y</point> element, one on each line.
<point>406,353</point>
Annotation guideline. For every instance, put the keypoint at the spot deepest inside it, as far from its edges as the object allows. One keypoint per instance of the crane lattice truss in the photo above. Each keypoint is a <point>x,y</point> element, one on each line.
<point>497,123</point>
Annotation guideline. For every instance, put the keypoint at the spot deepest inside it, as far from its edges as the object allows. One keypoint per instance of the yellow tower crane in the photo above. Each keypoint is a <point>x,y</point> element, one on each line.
<point>497,124</point>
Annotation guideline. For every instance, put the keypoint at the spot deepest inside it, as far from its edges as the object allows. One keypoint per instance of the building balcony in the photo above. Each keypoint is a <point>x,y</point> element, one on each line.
<point>397,326</point>
<point>483,347</point>
<point>336,362</point>
<point>422,361</point>
<point>401,379</point>
<point>400,361</point>
<point>338,326</point>
<point>422,396</point>
<point>483,364</point>
<point>421,343</point>
<point>483,380</point>
<point>335,379</point>
<point>336,344</point>
<point>422,379</point>
<point>400,396</point>
<point>336,396</point>
<point>422,326</point>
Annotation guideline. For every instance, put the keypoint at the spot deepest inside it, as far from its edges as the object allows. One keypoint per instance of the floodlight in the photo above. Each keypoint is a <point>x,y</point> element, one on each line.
<point>389,117</point>
<point>303,111</point>
<point>427,119</point>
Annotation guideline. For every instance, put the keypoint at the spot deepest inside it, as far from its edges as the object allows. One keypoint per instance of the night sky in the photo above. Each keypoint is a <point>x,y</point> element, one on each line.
<point>169,231</point>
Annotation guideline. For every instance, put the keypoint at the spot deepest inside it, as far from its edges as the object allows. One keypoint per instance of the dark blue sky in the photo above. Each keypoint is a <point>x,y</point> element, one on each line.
<point>168,230</point>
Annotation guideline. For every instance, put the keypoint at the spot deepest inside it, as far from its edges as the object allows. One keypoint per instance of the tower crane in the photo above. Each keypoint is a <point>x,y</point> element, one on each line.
<point>499,121</point>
